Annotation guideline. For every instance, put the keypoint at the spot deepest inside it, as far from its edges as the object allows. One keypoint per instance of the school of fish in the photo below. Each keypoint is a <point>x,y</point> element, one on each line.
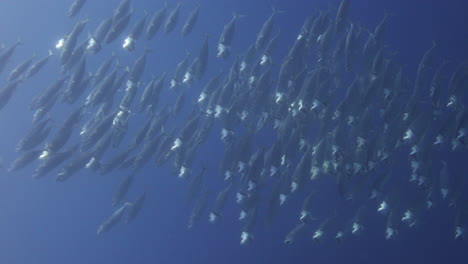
<point>338,108</point>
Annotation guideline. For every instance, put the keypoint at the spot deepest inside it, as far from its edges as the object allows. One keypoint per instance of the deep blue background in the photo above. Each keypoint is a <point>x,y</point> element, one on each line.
<point>42,221</point>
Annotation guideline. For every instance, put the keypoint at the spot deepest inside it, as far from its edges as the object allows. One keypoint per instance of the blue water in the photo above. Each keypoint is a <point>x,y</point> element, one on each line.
<point>42,221</point>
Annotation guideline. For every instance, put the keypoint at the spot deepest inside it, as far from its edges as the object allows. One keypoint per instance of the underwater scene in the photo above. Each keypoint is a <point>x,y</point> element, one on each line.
<point>233,131</point>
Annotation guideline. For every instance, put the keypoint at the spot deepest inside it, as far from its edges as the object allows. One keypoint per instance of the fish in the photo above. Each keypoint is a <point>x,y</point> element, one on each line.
<point>148,150</point>
<point>115,161</point>
<point>247,228</point>
<point>265,32</point>
<point>52,162</point>
<point>122,9</point>
<point>179,73</point>
<point>267,56</point>
<point>7,53</point>
<point>75,7</point>
<point>156,22</point>
<point>191,21</point>
<point>198,209</point>
<point>35,67</point>
<point>6,92</point>
<point>110,222</point>
<point>290,237</point>
<point>224,44</point>
<point>103,144</point>
<point>20,69</point>
<point>35,136</point>
<point>76,164</point>
<point>71,40</point>
<point>138,67</point>
<point>96,40</point>
<point>220,202</point>
<point>135,208</point>
<point>103,89</point>
<point>172,19</point>
<point>97,131</point>
<point>103,69</point>
<point>25,159</point>
<point>192,72</point>
<point>457,81</point>
<point>63,134</point>
<point>342,15</point>
<point>134,34</point>
<point>122,189</point>
<point>117,27</point>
